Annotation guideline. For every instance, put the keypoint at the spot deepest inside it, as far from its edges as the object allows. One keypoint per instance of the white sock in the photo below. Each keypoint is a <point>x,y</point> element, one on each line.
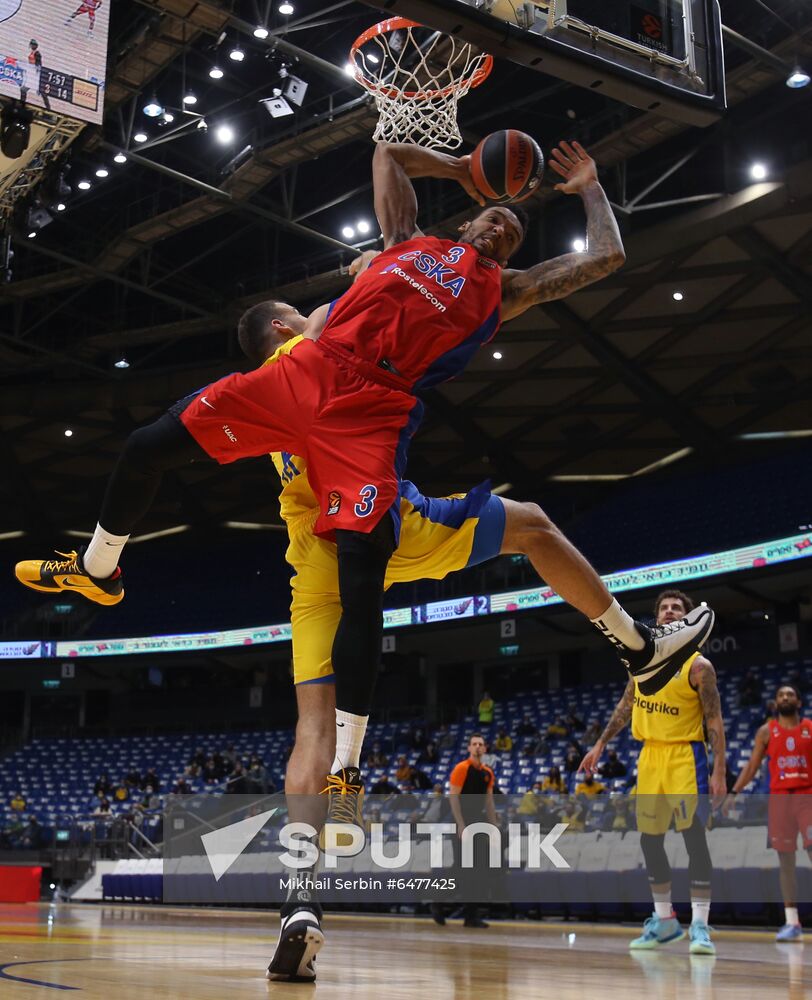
<point>791,915</point>
<point>618,627</point>
<point>700,910</point>
<point>103,553</point>
<point>662,905</point>
<point>350,732</point>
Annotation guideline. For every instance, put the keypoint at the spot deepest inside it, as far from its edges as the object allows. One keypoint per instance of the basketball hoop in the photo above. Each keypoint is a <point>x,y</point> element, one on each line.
<point>416,75</point>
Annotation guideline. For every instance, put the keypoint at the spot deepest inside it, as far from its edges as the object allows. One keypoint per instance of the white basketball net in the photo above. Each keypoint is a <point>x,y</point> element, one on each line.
<point>417,76</point>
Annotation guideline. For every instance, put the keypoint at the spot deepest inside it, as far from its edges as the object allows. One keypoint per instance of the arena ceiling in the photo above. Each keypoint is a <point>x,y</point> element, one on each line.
<point>155,263</point>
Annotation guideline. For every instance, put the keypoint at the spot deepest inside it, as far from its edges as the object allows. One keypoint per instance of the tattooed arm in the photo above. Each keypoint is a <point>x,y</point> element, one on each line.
<point>559,277</point>
<point>703,678</point>
<point>619,720</point>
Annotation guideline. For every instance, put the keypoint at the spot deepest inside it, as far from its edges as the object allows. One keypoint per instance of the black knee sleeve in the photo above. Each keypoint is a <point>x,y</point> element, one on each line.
<point>657,866</point>
<point>362,561</point>
<point>699,859</point>
<point>148,453</point>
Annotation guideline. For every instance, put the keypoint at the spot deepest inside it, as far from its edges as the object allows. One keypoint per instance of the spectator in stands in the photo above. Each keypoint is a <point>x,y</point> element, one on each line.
<point>230,757</point>
<point>238,783</point>
<point>121,792</point>
<point>102,808</point>
<point>403,771</point>
<point>593,731</point>
<point>418,739</point>
<point>527,727</point>
<point>429,754</point>
<point>445,738</point>
<point>102,785</point>
<point>223,765</point>
<point>572,761</point>
<point>259,779</point>
<point>150,800</point>
<point>573,721</point>
<point>151,778</point>
<point>438,810</point>
<point>420,780</point>
<point>613,767</point>
<point>620,812</point>
<point>554,782</point>
<point>32,835</point>
<point>198,759</point>
<point>750,689</point>
<point>377,758</point>
<point>133,778</point>
<point>557,730</point>
<point>572,813</point>
<point>210,773</point>
<point>485,709</point>
<point>13,832</point>
<point>489,758</point>
<point>503,743</point>
<point>529,806</point>
<point>383,786</point>
<point>588,788</point>
<point>182,786</point>
<point>17,802</point>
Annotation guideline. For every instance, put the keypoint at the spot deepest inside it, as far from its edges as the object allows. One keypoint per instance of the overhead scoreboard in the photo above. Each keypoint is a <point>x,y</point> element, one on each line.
<point>664,56</point>
<point>54,53</point>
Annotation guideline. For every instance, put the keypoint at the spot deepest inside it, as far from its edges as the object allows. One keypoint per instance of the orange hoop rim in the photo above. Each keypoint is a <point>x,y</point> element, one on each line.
<point>481,73</point>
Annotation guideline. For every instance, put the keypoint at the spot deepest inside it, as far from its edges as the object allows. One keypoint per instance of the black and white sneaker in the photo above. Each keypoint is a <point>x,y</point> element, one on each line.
<point>300,940</point>
<point>667,648</point>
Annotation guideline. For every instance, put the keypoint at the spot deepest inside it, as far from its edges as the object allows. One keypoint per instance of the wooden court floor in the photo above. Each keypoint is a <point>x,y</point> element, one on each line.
<point>128,952</point>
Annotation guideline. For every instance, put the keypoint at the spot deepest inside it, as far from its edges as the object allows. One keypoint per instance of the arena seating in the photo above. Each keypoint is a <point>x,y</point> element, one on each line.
<point>56,776</point>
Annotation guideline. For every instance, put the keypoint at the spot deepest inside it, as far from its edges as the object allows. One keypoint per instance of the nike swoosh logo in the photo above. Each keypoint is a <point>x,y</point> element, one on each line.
<point>205,402</point>
<point>340,725</point>
<point>77,586</point>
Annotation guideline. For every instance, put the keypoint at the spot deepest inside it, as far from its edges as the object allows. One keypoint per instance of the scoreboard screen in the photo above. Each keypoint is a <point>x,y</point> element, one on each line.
<point>54,53</point>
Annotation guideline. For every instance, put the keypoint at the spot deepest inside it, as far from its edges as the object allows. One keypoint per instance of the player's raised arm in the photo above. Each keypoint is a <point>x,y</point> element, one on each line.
<point>395,201</point>
<point>559,277</point>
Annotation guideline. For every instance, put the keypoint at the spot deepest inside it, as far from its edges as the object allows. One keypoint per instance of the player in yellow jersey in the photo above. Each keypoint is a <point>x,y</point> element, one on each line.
<point>672,779</point>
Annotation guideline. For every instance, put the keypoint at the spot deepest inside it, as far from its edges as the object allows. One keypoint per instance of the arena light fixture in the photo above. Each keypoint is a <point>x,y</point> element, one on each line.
<point>216,73</point>
<point>102,172</point>
<point>168,118</point>
<point>261,32</point>
<point>362,226</point>
<point>61,206</point>
<point>119,158</point>
<point>497,355</point>
<point>798,78</point>
<point>68,432</point>
<point>140,137</point>
<point>372,58</point>
<point>224,134</point>
<point>84,185</point>
<point>579,245</point>
<point>189,98</point>
<point>348,232</point>
<point>32,234</point>
<point>237,54</point>
<point>349,68</point>
<point>285,8</point>
<point>677,296</point>
<point>15,129</point>
<point>758,171</point>
<point>122,363</point>
<point>153,109</point>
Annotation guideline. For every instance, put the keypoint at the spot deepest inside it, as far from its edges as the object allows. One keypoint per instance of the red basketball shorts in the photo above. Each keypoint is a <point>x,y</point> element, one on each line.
<point>790,813</point>
<point>349,419</point>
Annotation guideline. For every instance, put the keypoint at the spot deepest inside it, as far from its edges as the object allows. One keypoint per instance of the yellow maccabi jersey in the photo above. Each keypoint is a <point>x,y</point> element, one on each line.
<point>673,715</point>
<point>296,497</point>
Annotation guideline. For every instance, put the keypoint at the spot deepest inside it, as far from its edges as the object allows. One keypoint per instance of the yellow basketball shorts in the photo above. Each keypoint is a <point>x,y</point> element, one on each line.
<point>672,786</point>
<point>438,536</point>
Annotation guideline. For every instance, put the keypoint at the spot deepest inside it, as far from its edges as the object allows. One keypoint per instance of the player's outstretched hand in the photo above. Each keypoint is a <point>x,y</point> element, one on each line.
<point>589,765</point>
<point>465,179</point>
<point>362,262</point>
<point>572,162</point>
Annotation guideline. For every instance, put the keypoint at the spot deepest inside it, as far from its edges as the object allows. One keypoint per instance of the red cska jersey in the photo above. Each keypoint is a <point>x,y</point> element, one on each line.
<point>790,753</point>
<point>421,310</point>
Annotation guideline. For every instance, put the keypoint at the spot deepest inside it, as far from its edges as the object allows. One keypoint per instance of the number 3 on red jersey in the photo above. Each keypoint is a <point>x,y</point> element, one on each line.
<point>367,504</point>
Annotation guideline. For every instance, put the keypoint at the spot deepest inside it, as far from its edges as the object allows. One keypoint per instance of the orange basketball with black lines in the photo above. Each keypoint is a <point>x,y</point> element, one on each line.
<point>507,166</point>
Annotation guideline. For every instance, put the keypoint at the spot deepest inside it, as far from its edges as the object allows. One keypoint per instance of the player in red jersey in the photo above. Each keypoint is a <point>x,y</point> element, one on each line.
<point>88,7</point>
<point>787,741</point>
<point>346,403</point>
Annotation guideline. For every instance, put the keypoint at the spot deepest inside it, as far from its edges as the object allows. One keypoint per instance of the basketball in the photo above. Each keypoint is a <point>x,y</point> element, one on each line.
<point>507,166</point>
